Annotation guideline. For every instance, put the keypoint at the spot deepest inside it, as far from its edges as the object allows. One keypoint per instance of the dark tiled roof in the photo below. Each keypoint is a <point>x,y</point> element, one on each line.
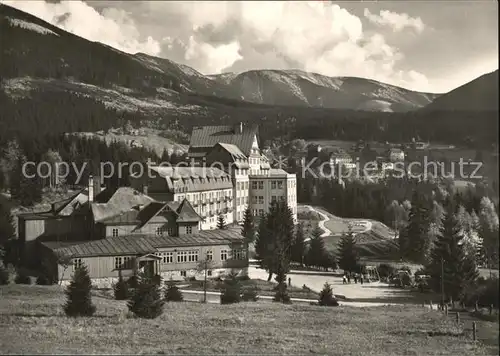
<point>208,136</point>
<point>120,201</point>
<point>193,179</point>
<point>150,211</point>
<point>140,244</point>
<point>187,213</point>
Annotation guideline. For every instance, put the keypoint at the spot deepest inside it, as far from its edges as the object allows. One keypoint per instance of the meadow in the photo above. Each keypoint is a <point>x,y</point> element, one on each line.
<point>32,322</point>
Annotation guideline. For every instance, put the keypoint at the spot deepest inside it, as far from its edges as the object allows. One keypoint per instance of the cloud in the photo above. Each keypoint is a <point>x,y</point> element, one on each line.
<point>218,36</point>
<point>113,26</point>
<point>397,22</point>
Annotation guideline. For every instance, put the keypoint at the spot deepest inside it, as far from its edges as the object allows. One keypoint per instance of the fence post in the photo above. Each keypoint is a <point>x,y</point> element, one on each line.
<point>446,309</point>
<point>458,317</point>
<point>474,331</point>
<point>476,307</point>
<point>491,309</point>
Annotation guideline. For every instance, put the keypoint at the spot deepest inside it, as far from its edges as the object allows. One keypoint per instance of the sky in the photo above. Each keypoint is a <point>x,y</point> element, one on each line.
<point>432,46</point>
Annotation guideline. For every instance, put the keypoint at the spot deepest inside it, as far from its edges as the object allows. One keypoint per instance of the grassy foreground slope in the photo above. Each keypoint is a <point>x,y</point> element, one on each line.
<point>31,321</point>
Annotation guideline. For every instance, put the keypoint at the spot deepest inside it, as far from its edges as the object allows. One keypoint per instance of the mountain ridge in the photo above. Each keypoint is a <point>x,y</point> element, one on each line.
<point>480,94</point>
<point>148,73</point>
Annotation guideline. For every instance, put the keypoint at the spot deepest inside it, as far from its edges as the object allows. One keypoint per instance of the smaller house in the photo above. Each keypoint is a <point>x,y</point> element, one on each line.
<point>396,155</point>
<point>342,158</point>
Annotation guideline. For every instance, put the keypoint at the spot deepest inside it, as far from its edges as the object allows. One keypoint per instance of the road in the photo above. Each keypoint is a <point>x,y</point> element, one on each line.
<point>214,298</point>
<point>367,225</point>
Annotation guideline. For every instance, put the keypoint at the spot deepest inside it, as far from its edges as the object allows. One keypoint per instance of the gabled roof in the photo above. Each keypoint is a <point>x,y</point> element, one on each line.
<point>187,213</point>
<point>235,157</point>
<point>233,150</point>
<point>208,136</point>
<point>141,244</point>
<point>114,202</point>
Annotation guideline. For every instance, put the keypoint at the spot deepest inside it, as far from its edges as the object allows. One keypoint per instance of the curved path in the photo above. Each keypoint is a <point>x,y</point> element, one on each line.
<point>321,223</point>
<point>327,232</point>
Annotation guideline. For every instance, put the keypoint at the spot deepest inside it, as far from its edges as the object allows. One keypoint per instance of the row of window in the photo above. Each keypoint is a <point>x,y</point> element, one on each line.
<point>127,262</point>
<point>195,198</point>
<point>242,185</point>
<point>275,184</point>
<point>258,212</point>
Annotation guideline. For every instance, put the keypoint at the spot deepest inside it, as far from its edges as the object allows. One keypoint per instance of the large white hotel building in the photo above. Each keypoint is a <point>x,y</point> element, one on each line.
<point>229,173</point>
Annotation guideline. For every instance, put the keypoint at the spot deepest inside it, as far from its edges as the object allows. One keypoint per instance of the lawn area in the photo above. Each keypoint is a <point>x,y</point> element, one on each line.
<point>264,288</point>
<point>32,322</point>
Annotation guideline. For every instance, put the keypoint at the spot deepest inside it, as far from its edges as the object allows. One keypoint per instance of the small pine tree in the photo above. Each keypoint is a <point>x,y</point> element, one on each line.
<point>299,245</point>
<point>146,301</point>
<point>79,301</point>
<point>4,275</point>
<point>248,228</point>
<point>172,293</point>
<point>348,258</point>
<point>6,223</point>
<point>281,290</point>
<point>326,297</point>
<point>221,222</point>
<point>450,267</point>
<point>250,294</point>
<point>42,280</point>
<point>133,282</point>
<point>22,278</point>
<point>231,290</point>
<point>316,253</point>
<point>120,289</point>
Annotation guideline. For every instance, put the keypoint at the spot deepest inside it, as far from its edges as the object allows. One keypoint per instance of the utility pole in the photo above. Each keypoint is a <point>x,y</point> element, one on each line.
<point>442,282</point>
<point>205,263</point>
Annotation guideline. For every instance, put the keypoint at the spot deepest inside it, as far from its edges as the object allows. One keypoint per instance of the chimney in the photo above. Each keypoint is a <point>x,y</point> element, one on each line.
<point>239,128</point>
<point>91,188</point>
<point>97,185</point>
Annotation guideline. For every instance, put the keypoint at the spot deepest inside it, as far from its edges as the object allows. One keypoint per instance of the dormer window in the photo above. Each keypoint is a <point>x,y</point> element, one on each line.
<point>114,232</point>
<point>189,230</point>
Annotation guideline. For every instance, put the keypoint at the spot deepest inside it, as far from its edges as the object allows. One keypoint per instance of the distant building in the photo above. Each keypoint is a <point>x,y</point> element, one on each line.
<point>235,151</point>
<point>396,155</point>
<point>122,231</point>
<point>343,159</point>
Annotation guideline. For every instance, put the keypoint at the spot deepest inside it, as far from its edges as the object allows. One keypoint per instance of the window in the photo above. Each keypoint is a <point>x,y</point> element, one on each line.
<point>183,273</point>
<point>167,257</point>
<point>238,254</point>
<point>189,229</point>
<point>254,199</point>
<point>114,232</point>
<point>170,231</point>
<point>273,199</point>
<point>193,256</point>
<point>223,255</point>
<point>127,262</point>
<point>261,199</point>
<point>209,273</point>
<point>159,231</point>
<point>210,255</point>
<point>280,184</point>
<point>77,263</point>
<point>261,212</point>
<point>181,256</point>
<point>261,184</point>
<point>118,262</point>
<point>254,185</point>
